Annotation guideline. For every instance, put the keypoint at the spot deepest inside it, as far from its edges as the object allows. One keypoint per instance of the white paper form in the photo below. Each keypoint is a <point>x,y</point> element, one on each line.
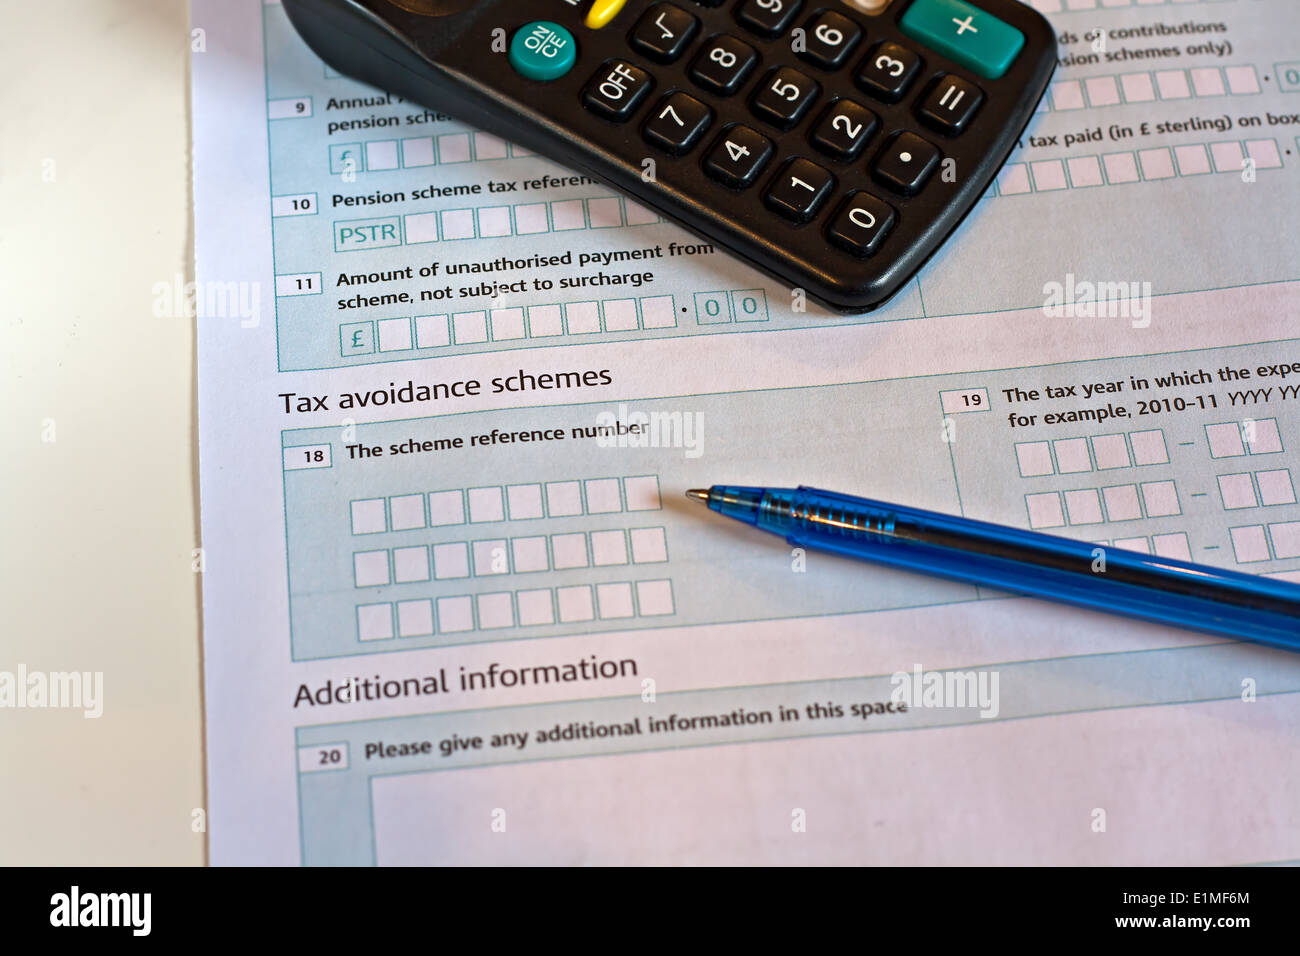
<point>456,609</point>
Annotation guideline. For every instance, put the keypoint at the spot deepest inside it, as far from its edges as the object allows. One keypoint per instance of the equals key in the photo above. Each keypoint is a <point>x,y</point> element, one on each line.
<point>950,104</point>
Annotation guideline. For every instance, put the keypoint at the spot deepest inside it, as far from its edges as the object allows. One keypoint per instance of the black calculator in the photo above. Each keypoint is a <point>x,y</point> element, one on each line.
<point>834,144</point>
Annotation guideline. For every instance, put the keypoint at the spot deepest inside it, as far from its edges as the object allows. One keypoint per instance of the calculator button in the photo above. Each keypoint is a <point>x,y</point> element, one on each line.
<point>603,11</point>
<point>950,104</point>
<point>905,163</point>
<point>738,156</point>
<point>724,64</point>
<point>861,224</point>
<point>888,71</point>
<point>676,123</point>
<point>784,96</point>
<point>664,32</point>
<point>543,51</point>
<point>829,39</point>
<point>800,190</point>
<point>616,90</point>
<point>844,128</point>
<point>965,34</point>
<point>768,18</point>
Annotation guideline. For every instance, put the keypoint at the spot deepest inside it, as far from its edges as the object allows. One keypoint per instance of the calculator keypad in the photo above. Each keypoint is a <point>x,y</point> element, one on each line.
<point>767,18</point>
<point>832,123</point>
<point>829,40</point>
<point>677,123</point>
<point>905,163</point>
<point>738,156</point>
<point>950,104</point>
<point>844,129</point>
<point>784,96</point>
<point>888,72</point>
<point>861,224</point>
<point>664,32</point>
<point>800,190</point>
<point>724,64</point>
<point>617,89</point>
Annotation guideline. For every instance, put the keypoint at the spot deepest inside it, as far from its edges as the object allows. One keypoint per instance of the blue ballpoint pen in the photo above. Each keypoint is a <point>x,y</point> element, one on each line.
<point>1164,590</point>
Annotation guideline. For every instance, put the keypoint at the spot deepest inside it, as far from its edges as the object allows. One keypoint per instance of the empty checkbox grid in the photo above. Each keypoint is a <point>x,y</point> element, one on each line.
<point>530,554</point>
<point>495,610</point>
<point>1072,455</point>
<point>1149,447</point>
<point>1173,545</point>
<point>567,498</point>
<point>1247,437</point>
<point>451,615</point>
<point>446,508</point>
<point>1262,436</point>
<point>410,564</point>
<point>485,505</point>
<point>415,618</point>
<point>1225,440</point>
<point>642,493</point>
<point>603,495</point>
<point>1237,491</point>
<point>370,568</point>
<point>1275,487</point>
<point>369,516</point>
<point>614,600</point>
<point>649,545</point>
<point>451,560</point>
<point>1249,544</point>
<point>1083,506</point>
<point>1141,87</point>
<point>1148,165</point>
<point>490,557</point>
<point>515,323</point>
<point>374,622</point>
<point>1034,458</point>
<point>569,551</point>
<point>1160,499</point>
<point>1045,510</point>
<point>524,502</point>
<point>535,553</point>
<point>1286,539</point>
<point>563,499</point>
<point>406,512</point>
<point>1122,503</point>
<point>1140,545</point>
<point>1110,451</point>
<point>519,502</point>
<point>1250,490</point>
<point>608,548</point>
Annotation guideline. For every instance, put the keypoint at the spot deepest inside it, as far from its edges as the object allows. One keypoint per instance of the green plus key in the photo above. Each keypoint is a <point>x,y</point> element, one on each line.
<point>965,34</point>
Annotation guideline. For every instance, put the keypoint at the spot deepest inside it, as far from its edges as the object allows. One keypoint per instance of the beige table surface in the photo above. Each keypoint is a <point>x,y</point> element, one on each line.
<point>98,524</point>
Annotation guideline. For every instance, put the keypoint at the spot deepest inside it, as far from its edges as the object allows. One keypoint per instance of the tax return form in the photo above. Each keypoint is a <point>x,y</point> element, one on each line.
<point>456,609</point>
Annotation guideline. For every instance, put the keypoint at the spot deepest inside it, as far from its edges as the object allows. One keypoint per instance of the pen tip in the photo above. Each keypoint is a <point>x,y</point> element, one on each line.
<point>699,494</point>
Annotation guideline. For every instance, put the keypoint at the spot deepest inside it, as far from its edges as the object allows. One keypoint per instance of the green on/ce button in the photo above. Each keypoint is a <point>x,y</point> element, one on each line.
<point>542,50</point>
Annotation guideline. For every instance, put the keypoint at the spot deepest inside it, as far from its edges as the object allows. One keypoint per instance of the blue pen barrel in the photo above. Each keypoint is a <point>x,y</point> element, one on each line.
<point>1164,590</point>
